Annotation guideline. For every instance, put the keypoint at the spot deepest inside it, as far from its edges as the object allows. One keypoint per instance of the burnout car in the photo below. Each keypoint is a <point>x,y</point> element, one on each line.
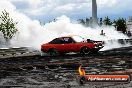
<point>68,44</point>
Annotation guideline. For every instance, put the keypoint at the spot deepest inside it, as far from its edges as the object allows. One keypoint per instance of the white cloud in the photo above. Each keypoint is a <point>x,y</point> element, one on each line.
<point>5,5</point>
<point>117,7</point>
<point>79,8</point>
<point>67,7</point>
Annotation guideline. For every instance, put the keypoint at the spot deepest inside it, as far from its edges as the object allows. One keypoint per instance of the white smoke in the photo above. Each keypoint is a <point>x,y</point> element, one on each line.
<point>63,26</point>
<point>32,34</point>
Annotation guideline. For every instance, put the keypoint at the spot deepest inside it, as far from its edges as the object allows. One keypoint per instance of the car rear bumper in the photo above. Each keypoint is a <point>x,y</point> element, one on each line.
<point>98,47</point>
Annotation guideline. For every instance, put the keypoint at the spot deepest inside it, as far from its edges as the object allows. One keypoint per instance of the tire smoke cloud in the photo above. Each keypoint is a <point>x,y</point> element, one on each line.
<point>32,34</point>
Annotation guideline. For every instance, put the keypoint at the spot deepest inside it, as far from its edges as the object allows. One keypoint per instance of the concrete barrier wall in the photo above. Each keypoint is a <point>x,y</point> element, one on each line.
<point>125,41</point>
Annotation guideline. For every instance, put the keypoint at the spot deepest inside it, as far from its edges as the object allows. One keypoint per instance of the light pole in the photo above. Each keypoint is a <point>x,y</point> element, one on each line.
<point>94,12</point>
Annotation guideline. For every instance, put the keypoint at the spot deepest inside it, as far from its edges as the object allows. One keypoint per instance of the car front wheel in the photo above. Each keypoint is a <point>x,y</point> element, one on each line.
<point>85,50</point>
<point>53,52</point>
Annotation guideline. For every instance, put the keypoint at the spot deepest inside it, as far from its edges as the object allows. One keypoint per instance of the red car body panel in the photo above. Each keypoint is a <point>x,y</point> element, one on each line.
<point>67,47</point>
<point>72,47</point>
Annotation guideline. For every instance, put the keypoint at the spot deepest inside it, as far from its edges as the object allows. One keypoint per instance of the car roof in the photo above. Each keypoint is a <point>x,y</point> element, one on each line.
<point>68,36</point>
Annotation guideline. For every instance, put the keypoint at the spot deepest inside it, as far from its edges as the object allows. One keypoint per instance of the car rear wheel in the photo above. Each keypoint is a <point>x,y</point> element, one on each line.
<point>53,52</point>
<point>85,50</point>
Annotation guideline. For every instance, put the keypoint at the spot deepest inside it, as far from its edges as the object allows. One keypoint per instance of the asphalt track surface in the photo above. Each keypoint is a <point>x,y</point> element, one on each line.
<point>25,68</point>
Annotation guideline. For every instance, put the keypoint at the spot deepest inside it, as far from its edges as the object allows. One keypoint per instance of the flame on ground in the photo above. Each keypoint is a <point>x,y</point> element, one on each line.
<point>81,71</point>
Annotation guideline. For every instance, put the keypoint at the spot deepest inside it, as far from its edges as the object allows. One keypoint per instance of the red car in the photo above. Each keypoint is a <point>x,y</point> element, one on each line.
<point>74,43</point>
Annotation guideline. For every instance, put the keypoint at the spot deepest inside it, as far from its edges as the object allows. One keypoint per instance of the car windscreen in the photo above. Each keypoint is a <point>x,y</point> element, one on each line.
<point>77,38</point>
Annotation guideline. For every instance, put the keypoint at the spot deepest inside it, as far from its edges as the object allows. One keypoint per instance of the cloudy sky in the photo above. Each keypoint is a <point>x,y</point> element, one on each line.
<point>47,10</point>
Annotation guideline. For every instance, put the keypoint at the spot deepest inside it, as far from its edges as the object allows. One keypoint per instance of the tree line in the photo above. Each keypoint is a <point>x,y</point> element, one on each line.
<point>7,26</point>
<point>119,24</point>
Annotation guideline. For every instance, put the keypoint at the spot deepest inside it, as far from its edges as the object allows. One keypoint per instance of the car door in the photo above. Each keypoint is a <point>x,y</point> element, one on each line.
<point>69,45</point>
<point>57,44</point>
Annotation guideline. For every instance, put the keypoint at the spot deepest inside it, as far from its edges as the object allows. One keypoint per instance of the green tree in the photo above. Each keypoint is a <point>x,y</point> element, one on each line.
<point>7,26</point>
<point>81,21</point>
<point>120,25</point>
<point>114,23</point>
<point>107,21</point>
<point>87,22</point>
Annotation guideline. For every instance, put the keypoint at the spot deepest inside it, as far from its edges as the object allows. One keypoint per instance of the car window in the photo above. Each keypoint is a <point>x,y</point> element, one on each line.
<point>63,40</point>
<point>56,41</point>
<point>78,38</point>
<point>68,40</point>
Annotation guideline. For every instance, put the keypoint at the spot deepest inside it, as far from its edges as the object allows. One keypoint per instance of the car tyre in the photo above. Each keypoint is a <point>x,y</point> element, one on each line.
<point>85,50</point>
<point>53,52</point>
